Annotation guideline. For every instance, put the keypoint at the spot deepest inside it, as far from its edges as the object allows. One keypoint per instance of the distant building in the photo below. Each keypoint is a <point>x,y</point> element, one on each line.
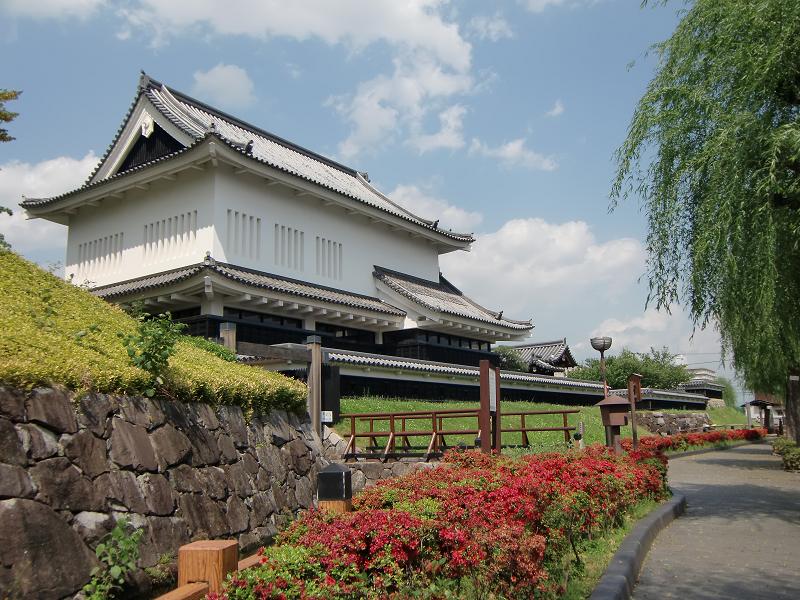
<point>547,358</point>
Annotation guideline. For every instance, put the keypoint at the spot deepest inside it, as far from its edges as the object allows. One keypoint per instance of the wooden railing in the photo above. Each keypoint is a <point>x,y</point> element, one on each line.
<point>392,427</point>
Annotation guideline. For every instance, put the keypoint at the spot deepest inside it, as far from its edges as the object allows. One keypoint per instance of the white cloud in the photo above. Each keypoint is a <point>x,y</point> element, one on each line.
<point>227,85</point>
<point>427,206</point>
<point>558,109</point>
<point>493,28</point>
<point>450,134</point>
<point>514,154</point>
<point>43,179</point>
<point>530,263</point>
<point>51,9</point>
<point>431,61</point>
<point>538,6</point>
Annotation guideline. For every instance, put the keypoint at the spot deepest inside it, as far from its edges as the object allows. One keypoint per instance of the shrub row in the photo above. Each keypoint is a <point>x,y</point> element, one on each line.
<point>683,441</point>
<point>477,526</point>
<point>789,451</point>
<point>53,333</point>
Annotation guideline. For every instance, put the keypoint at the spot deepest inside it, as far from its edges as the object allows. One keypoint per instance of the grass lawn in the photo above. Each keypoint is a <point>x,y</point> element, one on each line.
<point>543,441</point>
<point>598,552</point>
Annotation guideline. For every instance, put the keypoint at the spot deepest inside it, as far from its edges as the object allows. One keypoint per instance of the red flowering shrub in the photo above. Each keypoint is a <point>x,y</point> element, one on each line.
<point>683,441</point>
<point>474,525</point>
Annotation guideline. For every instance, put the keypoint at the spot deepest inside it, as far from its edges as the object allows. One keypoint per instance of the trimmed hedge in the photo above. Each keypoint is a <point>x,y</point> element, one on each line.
<point>789,451</point>
<point>53,333</point>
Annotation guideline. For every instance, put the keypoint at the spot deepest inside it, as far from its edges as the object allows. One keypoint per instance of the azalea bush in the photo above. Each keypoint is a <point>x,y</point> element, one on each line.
<point>476,526</point>
<point>683,441</point>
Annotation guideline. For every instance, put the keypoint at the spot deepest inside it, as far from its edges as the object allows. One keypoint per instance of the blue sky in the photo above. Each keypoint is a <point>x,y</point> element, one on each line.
<point>497,117</point>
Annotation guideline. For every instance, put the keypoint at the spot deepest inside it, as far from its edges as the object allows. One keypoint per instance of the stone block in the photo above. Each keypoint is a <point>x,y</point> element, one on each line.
<point>226,448</point>
<point>273,460</point>
<point>299,456</point>
<point>262,506</point>
<point>279,428</point>
<point>94,411</point>
<point>87,452</point>
<point>237,514</point>
<point>204,414</point>
<point>359,480</point>
<point>121,491</point>
<point>186,479</point>
<point>130,446</point>
<point>11,448</point>
<point>233,421</point>
<point>92,526</point>
<point>164,535</point>
<point>304,492</point>
<point>203,516</point>
<point>141,411</point>
<point>170,445</point>
<point>257,537</point>
<point>61,486</point>
<point>205,450</point>
<point>250,464</point>
<point>157,494</point>
<point>39,443</point>
<point>215,482</point>
<point>15,482</point>
<point>12,404</point>
<point>238,480</point>
<point>49,559</point>
<point>51,407</point>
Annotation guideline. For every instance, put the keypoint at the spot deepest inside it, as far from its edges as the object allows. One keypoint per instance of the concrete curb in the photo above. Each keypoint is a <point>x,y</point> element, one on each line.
<point>707,450</point>
<point>620,577</point>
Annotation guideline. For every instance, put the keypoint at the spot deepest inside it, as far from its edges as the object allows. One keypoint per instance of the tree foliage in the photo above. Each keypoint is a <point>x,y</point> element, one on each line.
<point>728,392</point>
<point>713,150</point>
<point>6,116</point>
<point>657,368</point>
<point>510,359</point>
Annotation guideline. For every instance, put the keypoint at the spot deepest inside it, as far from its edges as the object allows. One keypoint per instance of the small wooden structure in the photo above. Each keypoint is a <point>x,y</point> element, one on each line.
<point>614,413</point>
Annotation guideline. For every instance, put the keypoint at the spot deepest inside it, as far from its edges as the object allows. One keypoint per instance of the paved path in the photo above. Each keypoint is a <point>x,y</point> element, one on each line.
<point>740,536</point>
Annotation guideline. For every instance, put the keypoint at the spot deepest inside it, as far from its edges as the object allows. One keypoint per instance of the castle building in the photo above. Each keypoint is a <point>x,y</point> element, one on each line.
<point>196,212</point>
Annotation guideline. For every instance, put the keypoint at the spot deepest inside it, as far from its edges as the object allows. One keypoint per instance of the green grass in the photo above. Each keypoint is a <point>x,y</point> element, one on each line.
<point>727,416</point>
<point>542,441</point>
<point>53,333</point>
<point>598,552</point>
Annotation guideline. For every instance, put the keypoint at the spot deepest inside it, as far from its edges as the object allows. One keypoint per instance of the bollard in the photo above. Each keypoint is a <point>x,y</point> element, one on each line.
<point>207,561</point>
<point>335,489</point>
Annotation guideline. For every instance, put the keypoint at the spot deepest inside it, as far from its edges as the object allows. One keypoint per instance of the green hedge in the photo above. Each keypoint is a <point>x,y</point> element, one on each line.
<point>53,333</point>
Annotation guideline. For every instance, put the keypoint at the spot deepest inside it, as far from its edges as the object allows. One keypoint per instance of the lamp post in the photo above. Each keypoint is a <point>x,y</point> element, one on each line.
<point>601,344</point>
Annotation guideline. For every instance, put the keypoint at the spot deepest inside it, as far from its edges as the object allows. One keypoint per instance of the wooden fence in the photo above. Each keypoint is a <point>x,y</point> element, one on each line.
<point>393,428</point>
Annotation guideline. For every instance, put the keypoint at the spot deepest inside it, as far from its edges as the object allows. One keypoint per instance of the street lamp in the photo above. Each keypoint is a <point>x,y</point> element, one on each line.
<point>601,344</point>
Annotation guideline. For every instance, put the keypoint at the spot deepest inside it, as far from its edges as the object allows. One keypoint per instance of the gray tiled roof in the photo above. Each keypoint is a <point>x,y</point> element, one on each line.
<point>198,120</point>
<point>555,353</point>
<point>668,395</point>
<point>364,359</point>
<point>444,297</point>
<point>251,277</point>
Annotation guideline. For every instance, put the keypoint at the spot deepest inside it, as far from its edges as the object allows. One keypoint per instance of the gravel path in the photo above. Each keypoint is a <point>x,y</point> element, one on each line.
<point>740,536</point>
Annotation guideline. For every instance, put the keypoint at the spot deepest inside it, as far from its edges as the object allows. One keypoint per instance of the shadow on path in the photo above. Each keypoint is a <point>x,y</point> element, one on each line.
<point>740,536</point>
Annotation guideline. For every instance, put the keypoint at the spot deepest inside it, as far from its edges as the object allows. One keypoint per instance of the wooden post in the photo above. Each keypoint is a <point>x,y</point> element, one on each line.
<point>484,418</point>
<point>207,561</point>
<point>497,426</point>
<point>634,396</point>
<point>227,331</point>
<point>314,382</point>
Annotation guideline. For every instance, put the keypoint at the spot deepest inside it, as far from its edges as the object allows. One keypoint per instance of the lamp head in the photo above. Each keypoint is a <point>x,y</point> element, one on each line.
<point>601,344</point>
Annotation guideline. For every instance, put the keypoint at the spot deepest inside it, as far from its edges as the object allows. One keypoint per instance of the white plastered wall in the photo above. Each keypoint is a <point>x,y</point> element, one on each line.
<point>247,210</point>
<point>167,226</point>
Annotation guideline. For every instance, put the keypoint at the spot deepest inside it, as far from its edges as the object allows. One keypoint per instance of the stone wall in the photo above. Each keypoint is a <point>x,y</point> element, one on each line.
<point>70,467</point>
<point>366,474</point>
<point>660,423</point>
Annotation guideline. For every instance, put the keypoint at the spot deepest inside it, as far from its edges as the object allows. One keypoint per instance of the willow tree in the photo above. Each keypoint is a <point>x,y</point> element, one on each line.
<point>713,152</point>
